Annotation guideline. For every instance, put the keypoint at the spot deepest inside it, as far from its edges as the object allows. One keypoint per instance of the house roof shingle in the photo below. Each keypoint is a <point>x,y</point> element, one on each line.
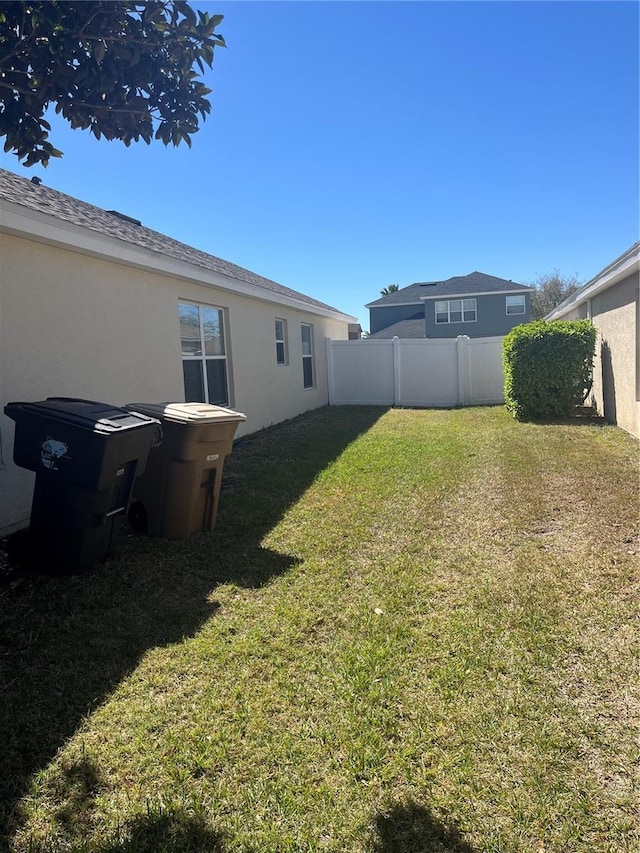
<point>475,282</point>
<point>409,295</point>
<point>43,199</point>
<point>461,285</point>
<point>413,328</point>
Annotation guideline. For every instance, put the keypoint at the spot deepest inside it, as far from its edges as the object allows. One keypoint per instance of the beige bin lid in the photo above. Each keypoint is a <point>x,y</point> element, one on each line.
<point>188,413</point>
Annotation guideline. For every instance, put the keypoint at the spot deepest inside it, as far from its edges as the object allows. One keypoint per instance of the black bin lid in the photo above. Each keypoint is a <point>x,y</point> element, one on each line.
<point>90,415</point>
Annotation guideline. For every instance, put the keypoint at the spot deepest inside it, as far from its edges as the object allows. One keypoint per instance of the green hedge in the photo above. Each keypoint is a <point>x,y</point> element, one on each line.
<point>548,367</point>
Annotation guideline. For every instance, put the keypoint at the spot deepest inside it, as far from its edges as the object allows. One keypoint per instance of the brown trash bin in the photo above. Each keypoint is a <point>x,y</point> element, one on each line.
<point>179,491</point>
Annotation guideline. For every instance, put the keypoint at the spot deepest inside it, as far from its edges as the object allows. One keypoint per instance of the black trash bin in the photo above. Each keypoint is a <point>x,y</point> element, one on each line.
<point>86,456</point>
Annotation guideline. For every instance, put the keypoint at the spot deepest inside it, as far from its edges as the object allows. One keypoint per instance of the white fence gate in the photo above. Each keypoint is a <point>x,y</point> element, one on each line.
<point>416,372</point>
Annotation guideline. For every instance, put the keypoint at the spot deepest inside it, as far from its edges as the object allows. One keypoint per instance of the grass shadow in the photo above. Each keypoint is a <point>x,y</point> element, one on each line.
<point>582,416</point>
<point>160,829</point>
<point>67,642</point>
<point>412,828</point>
<point>166,832</point>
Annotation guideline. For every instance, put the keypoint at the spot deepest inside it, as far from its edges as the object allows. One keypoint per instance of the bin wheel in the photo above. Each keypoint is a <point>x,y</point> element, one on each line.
<point>138,517</point>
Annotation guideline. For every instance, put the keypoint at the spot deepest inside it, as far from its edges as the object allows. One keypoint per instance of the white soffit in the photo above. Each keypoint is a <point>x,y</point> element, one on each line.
<point>618,270</point>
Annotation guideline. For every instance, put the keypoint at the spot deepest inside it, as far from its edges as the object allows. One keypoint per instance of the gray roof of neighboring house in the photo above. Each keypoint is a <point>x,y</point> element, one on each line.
<point>476,282</point>
<point>405,296</point>
<point>462,285</point>
<point>43,199</point>
<point>414,328</point>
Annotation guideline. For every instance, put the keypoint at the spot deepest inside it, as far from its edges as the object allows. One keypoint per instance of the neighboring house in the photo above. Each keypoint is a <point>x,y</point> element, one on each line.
<point>95,305</point>
<point>611,301</point>
<point>476,305</point>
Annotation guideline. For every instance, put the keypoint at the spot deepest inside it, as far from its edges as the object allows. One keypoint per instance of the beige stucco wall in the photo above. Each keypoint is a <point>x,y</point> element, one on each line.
<point>581,312</point>
<point>616,393</point>
<point>76,325</point>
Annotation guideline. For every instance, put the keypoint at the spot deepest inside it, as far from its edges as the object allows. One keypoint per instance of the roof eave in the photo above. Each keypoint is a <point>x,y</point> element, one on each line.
<point>443,296</point>
<point>393,304</point>
<point>34,225</point>
<point>616,271</point>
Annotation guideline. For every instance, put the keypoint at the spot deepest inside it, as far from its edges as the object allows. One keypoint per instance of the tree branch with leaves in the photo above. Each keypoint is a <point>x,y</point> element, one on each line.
<point>391,288</point>
<point>120,69</point>
<point>550,290</point>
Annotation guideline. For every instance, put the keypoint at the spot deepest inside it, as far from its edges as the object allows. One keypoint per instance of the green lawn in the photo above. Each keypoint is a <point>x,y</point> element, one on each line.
<point>411,632</point>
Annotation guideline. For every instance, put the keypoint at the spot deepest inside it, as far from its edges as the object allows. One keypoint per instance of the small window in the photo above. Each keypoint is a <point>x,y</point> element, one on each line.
<point>204,359</point>
<point>469,310</point>
<point>281,342</point>
<point>442,312</point>
<point>456,311</point>
<point>516,304</point>
<point>307,355</point>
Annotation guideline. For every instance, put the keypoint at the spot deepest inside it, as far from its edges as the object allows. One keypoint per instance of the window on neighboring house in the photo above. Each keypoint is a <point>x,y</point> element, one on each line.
<point>307,355</point>
<point>516,304</point>
<point>204,357</point>
<point>456,311</point>
<point>281,342</point>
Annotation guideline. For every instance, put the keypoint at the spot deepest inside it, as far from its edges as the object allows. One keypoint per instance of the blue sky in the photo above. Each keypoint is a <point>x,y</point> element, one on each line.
<point>352,145</point>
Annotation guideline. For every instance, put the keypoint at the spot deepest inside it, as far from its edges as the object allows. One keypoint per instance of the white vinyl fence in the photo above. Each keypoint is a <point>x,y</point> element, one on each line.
<point>416,372</point>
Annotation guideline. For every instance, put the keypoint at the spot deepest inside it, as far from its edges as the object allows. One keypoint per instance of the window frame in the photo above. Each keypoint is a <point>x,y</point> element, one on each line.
<point>307,358</point>
<point>283,341</point>
<point>463,310</point>
<point>512,297</point>
<point>203,358</point>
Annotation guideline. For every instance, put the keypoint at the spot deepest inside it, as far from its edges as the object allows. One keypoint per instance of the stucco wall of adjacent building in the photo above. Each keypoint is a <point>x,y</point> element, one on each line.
<point>75,325</point>
<point>580,312</point>
<point>616,393</point>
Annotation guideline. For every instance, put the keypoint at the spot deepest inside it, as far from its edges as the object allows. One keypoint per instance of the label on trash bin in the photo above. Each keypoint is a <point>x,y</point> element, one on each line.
<point>50,451</point>
<point>212,457</point>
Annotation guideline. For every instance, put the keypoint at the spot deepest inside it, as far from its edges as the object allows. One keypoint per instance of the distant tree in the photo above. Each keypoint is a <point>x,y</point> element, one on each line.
<point>390,289</point>
<point>550,290</point>
<point>122,69</point>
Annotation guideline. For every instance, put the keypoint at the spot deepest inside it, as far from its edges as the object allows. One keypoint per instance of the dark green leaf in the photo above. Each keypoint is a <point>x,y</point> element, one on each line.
<point>94,69</point>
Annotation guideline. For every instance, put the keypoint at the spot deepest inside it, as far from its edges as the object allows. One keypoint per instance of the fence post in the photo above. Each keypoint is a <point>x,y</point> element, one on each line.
<point>463,369</point>
<point>396,371</point>
<point>331,388</point>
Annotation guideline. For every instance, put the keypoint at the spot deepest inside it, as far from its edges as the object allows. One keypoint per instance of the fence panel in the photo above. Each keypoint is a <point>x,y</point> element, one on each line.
<point>416,372</point>
<point>428,373</point>
<point>486,375</point>
<point>361,372</point>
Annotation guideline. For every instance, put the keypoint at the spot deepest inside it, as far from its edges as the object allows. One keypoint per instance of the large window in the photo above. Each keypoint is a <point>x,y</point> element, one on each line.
<point>456,311</point>
<point>281,342</point>
<point>307,355</point>
<point>204,358</point>
<point>516,304</point>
